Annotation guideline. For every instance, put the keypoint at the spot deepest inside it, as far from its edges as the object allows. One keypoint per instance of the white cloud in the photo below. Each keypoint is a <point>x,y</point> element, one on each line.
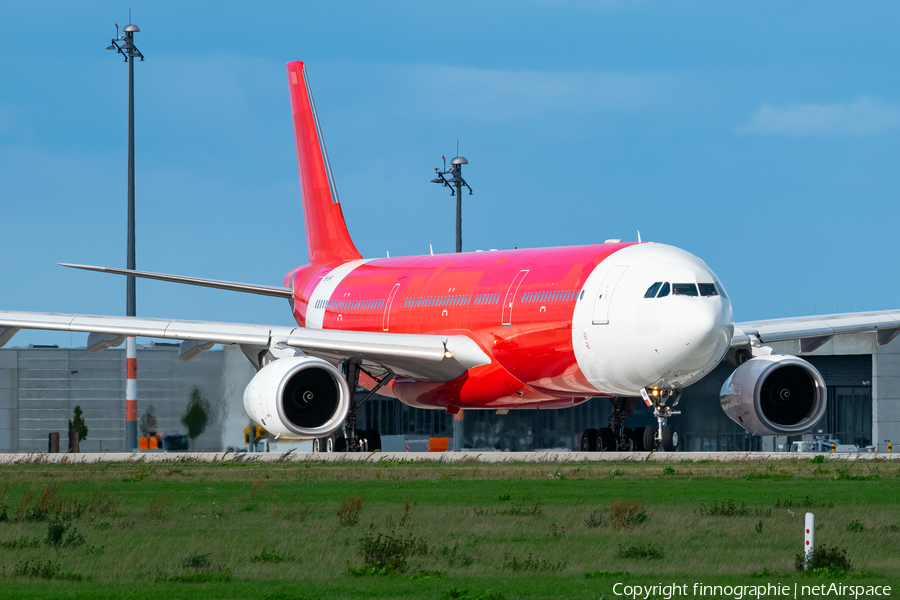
<point>860,117</point>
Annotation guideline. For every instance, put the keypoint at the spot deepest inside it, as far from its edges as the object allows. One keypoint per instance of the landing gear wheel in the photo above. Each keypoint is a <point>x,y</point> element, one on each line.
<point>650,436</point>
<point>670,439</point>
<point>589,440</point>
<point>317,445</point>
<point>339,443</point>
<point>373,439</point>
<point>638,436</point>
<point>362,441</point>
<point>627,443</point>
<point>607,440</point>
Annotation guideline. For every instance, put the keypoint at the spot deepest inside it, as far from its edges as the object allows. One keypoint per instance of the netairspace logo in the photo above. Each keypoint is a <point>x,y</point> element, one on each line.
<point>739,592</point>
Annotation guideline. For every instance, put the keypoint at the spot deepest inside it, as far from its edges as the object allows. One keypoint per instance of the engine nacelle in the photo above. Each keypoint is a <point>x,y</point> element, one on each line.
<point>298,398</point>
<point>775,395</point>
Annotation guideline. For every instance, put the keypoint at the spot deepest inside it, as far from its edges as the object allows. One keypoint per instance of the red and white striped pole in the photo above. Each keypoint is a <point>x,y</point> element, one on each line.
<point>130,394</point>
<point>809,536</point>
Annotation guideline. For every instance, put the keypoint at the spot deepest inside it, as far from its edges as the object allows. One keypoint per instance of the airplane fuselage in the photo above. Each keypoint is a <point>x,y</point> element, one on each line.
<point>560,324</point>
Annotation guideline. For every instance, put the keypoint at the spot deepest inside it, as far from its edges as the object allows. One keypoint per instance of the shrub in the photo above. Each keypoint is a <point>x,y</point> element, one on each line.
<point>266,557</point>
<point>730,509</point>
<point>855,526</point>
<point>594,520</point>
<point>513,563</point>
<point>806,502</point>
<point>195,560</point>
<point>200,577</point>
<point>61,534</point>
<point>158,506</point>
<point>644,551</point>
<point>389,553</point>
<point>40,570</point>
<point>197,415</point>
<point>626,514</point>
<point>601,574</point>
<point>22,542</point>
<point>77,425</point>
<point>348,513</point>
<point>455,594</point>
<point>823,558</point>
<point>455,555</point>
<point>36,570</point>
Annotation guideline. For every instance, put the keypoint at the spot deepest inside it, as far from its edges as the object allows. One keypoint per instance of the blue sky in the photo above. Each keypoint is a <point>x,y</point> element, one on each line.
<point>761,136</point>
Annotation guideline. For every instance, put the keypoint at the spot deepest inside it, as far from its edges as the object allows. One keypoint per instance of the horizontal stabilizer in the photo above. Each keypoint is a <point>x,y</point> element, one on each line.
<point>247,288</point>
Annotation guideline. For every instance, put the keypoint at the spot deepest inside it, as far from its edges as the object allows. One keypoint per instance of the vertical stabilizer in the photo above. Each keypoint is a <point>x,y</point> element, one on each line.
<point>327,238</point>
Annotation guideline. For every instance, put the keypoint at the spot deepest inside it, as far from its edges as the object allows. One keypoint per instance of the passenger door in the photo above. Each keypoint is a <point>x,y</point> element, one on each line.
<point>510,298</point>
<point>601,305</point>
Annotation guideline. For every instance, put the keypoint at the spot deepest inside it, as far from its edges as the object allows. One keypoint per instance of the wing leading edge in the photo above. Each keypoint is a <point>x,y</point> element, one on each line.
<point>421,357</point>
<point>814,331</point>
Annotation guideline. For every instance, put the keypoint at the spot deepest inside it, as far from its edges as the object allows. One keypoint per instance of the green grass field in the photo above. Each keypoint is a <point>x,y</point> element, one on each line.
<point>465,530</point>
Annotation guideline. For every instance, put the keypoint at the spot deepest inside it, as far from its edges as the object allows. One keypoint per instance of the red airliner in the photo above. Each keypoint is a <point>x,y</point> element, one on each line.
<point>498,330</point>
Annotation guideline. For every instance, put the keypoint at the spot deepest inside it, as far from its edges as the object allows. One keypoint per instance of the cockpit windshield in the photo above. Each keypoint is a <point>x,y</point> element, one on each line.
<point>708,289</point>
<point>684,289</point>
<point>661,289</point>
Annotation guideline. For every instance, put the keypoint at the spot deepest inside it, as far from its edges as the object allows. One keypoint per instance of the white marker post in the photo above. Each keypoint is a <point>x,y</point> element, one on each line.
<point>809,537</point>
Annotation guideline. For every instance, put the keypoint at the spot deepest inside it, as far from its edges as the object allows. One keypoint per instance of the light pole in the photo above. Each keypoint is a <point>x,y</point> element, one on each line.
<point>455,183</point>
<point>124,45</point>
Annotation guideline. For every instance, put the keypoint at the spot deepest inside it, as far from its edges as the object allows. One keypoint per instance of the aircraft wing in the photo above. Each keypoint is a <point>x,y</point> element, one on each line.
<point>816,330</point>
<point>423,357</point>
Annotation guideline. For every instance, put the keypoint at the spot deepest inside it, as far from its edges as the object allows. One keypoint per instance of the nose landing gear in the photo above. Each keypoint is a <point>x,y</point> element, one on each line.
<point>661,435</point>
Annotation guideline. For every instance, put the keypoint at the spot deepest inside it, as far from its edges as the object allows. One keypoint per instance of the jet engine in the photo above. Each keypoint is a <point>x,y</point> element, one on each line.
<point>774,395</point>
<point>298,398</point>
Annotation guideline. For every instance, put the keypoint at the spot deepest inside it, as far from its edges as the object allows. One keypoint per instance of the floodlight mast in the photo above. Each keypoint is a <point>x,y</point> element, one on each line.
<point>455,183</point>
<point>124,45</point>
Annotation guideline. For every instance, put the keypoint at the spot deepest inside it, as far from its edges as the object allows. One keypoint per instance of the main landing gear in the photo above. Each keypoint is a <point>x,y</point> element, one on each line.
<point>349,438</point>
<point>618,438</point>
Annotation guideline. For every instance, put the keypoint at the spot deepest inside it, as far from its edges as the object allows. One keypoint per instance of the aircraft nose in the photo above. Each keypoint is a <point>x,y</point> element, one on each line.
<point>704,326</point>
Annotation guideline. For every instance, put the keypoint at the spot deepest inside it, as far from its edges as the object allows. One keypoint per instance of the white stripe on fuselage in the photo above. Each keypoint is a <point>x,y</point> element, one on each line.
<point>315,317</point>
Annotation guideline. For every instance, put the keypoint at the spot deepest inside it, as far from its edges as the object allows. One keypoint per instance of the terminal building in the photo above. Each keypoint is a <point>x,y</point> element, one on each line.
<point>40,387</point>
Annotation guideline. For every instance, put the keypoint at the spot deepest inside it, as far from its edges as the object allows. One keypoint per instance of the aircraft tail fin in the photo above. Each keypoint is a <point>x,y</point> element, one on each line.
<point>327,237</point>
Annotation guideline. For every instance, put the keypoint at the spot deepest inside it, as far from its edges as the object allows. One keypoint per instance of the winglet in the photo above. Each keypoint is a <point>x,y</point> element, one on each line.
<point>327,238</point>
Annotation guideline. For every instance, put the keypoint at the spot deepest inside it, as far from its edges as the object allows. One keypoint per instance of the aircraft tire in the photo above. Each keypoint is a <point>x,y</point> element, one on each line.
<point>374,440</point>
<point>650,437</point>
<point>607,440</point>
<point>340,443</point>
<point>589,440</point>
<point>670,439</point>
<point>638,436</point>
<point>362,440</point>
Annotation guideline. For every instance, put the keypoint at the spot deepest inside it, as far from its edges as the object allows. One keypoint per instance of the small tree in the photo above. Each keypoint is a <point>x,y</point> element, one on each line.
<point>148,422</point>
<point>76,424</point>
<point>196,416</point>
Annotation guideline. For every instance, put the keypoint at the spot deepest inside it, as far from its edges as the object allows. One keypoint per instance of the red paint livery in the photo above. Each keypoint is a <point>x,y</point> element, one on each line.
<point>516,304</point>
